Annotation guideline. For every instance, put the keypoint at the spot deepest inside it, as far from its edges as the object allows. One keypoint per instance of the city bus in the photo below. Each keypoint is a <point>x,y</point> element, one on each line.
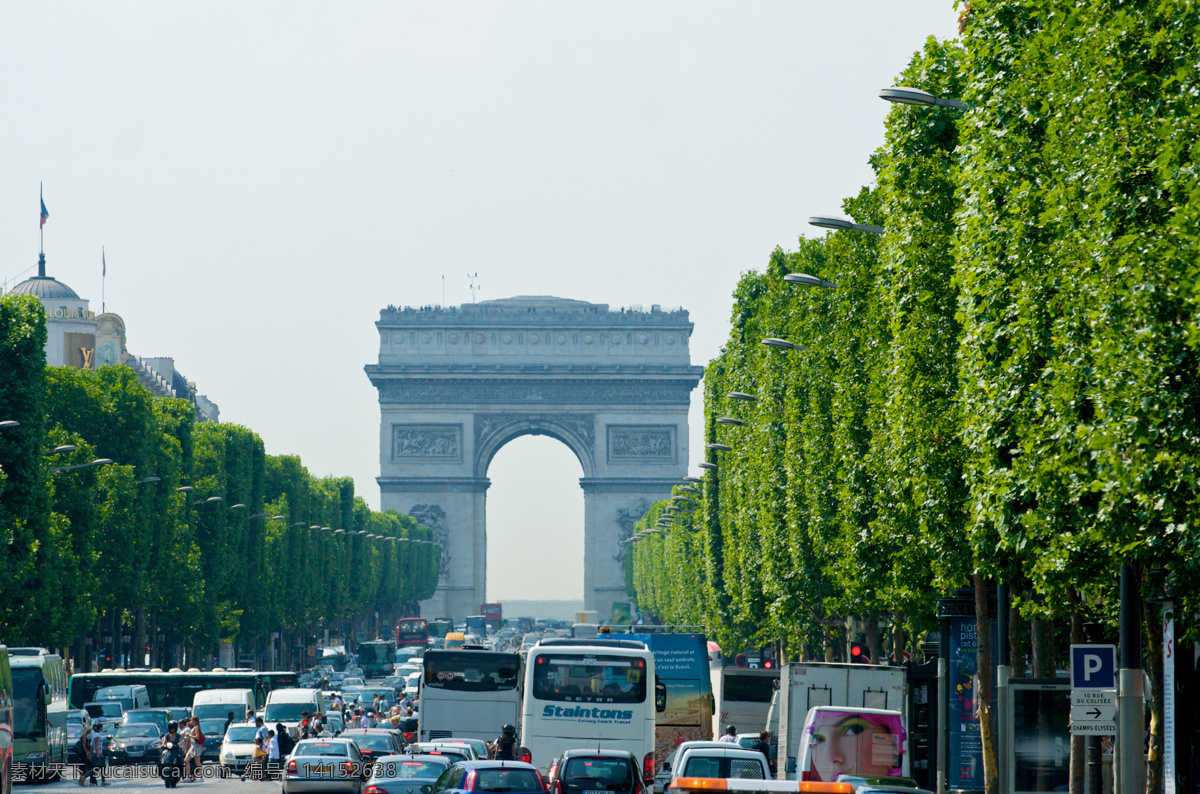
<point>469,694</point>
<point>590,693</point>
<point>375,658</point>
<point>493,614</point>
<point>412,631</point>
<point>39,683</point>
<point>179,688</point>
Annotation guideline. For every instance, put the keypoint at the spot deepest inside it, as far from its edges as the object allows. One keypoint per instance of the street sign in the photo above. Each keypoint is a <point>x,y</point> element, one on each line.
<point>1093,666</point>
<point>1094,711</point>
<point>741,660</point>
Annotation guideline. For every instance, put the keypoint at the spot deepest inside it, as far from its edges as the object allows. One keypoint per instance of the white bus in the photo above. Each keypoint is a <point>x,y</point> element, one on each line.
<point>469,694</point>
<point>742,697</point>
<point>590,694</point>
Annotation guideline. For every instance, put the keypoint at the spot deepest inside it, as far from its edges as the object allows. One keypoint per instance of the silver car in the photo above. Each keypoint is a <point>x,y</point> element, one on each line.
<point>324,765</point>
<point>407,774</point>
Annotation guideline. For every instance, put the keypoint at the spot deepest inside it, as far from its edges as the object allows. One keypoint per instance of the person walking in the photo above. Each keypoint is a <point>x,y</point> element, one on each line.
<point>286,743</point>
<point>96,760</point>
<point>272,755</point>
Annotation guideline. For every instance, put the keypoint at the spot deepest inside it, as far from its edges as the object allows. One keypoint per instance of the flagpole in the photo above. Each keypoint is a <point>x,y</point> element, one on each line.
<point>41,226</point>
<point>103,278</point>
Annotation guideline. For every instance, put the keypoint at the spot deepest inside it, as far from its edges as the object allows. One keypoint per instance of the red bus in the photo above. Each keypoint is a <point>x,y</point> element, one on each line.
<point>493,614</point>
<point>412,631</point>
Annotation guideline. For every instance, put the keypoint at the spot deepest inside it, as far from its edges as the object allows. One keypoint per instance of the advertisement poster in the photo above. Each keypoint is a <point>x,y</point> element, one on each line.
<point>965,745</point>
<point>680,662</point>
<point>853,742</point>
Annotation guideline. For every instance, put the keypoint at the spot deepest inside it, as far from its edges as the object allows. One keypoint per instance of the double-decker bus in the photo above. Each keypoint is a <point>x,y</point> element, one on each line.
<point>590,693</point>
<point>179,688</point>
<point>493,614</point>
<point>412,631</point>
<point>469,693</point>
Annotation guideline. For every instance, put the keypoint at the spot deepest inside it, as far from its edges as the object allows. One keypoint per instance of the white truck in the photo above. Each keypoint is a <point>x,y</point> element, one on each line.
<point>741,698</point>
<point>806,685</point>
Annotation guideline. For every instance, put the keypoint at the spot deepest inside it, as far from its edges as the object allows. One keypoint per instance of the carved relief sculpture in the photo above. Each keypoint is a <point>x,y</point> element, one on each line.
<point>626,518</point>
<point>434,517</point>
<point>427,441</point>
<point>641,442</point>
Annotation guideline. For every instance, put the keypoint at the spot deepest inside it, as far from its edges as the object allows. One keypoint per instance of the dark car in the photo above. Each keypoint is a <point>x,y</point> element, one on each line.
<point>374,743</point>
<point>448,751</point>
<point>406,774</point>
<point>137,743</point>
<point>159,717</point>
<point>510,777</point>
<point>590,771</point>
<point>214,734</point>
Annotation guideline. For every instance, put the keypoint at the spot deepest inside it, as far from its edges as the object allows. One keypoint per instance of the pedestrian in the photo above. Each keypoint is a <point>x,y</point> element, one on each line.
<point>228,722</point>
<point>96,755</point>
<point>505,746</point>
<point>763,745</point>
<point>316,724</point>
<point>273,754</point>
<point>286,743</point>
<point>730,735</point>
<point>195,754</point>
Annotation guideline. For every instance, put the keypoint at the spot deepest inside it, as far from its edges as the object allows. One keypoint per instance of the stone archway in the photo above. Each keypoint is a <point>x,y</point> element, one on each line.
<point>457,384</point>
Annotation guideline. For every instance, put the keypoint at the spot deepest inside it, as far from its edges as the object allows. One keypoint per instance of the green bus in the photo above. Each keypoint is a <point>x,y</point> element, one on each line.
<point>39,691</point>
<point>177,687</point>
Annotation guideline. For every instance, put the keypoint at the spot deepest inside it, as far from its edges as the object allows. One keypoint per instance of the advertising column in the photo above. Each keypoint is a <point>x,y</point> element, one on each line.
<point>964,743</point>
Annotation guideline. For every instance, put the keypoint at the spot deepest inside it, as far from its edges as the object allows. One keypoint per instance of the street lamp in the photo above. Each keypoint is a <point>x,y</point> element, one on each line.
<point>782,344</point>
<point>903,95</point>
<point>96,462</point>
<point>709,466</point>
<point>9,423</point>
<point>741,395</point>
<point>184,489</point>
<point>692,479</point>
<point>726,420</point>
<point>61,448</point>
<point>338,531</point>
<point>688,489</point>
<point>239,506</point>
<point>149,479</point>
<point>209,499</point>
<point>260,515</point>
<point>719,448</point>
<point>296,524</point>
<point>808,281</point>
<point>841,223</point>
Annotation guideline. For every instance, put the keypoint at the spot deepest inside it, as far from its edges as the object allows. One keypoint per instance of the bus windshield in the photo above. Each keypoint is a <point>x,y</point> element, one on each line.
<point>375,653</point>
<point>472,671</point>
<point>410,631</point>
<point>28,722</point>
<point>589,679</point>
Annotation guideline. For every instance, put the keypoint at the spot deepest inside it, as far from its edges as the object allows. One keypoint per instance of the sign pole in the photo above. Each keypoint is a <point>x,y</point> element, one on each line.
<point>1130,776</point>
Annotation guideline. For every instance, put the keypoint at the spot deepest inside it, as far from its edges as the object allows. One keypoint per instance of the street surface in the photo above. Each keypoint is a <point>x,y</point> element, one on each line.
<point>142,779</point>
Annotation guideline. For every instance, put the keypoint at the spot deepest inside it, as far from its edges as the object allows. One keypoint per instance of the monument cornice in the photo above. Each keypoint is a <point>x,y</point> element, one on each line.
<point>475,371</point>
<point>433,484</point>
<point>475,316</point>
<point>524,392</point>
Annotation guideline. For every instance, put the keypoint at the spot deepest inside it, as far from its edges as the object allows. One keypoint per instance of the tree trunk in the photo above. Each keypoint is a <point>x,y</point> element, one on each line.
<point>1018,649</point>
<point>987,730</point>
<point>1078,742</point>
<point>1152,626</point>
<point>899,637</point>
<point>1041,642</point>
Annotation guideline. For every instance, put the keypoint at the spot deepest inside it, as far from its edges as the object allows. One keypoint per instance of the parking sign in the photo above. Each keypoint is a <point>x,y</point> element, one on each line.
<point>1093,667</point>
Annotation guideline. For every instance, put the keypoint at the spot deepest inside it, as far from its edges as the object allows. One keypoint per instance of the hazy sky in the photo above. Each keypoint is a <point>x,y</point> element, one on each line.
<point>265,176</point>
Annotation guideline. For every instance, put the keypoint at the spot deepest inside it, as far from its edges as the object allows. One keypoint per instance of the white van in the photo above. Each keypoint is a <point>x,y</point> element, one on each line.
<point>132,696</point>
<point>218,704</point>
<point>288,705</point>
<point>843,740</point>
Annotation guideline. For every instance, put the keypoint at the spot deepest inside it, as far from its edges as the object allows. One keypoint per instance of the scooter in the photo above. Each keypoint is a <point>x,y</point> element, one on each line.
<point>170,764</point>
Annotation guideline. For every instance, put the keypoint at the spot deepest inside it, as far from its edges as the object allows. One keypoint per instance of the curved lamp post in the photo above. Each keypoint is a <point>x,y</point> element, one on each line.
<point>782,344</point>
<point>841,223</point>
<point>808,281</point>
<point>728,420</point>
<point>903,95</point>
<point>741,395</point>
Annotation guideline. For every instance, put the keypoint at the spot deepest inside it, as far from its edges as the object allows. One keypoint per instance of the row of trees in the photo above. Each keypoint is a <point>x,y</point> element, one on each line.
<point>1000,388</point>
<point>190,536</point>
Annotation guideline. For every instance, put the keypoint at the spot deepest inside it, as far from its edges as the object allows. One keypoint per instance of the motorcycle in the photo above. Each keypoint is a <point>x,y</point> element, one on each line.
<point>170,764</point>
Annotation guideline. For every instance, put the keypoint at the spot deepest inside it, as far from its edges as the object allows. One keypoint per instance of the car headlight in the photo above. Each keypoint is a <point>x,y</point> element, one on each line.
<point>116,745</point>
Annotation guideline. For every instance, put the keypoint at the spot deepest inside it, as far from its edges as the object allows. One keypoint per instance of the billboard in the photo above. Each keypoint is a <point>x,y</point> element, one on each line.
<point>681,664</point>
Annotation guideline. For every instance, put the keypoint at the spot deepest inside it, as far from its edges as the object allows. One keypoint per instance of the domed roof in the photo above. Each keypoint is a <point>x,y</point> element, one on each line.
<point>44,287</point>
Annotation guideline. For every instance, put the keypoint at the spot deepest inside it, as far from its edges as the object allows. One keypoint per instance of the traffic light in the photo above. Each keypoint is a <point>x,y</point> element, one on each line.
<point>858,653</point>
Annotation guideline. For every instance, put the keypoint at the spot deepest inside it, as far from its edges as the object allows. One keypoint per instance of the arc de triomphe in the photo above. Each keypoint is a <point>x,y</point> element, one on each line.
<point>457,384</point>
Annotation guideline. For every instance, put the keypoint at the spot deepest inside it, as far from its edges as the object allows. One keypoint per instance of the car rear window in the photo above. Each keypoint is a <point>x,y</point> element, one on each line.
<point>405,770</point>
<point>507,780</point>
<point>745,768</point>
<point>320,748</point>
<point>376,742</point>
<point>699,766</point>
<point>610,770</point>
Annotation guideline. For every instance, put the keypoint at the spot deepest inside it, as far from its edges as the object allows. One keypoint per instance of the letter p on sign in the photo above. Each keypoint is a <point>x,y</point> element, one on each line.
<point>1093,667</point>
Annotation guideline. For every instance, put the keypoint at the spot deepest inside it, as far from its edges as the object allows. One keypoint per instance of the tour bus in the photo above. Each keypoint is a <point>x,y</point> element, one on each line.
<point>590,693</point>
<point>375,658</point>
<point>469,694</point>
<point>743,697</point>
<point>6,722</point>
<point>412,631</point>
<point>176,688</point>
<point>39,711</point>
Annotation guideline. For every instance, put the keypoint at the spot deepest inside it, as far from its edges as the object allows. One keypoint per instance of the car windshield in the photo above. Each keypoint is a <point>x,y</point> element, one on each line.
<point>507,780</point>
<point>610,770</point>
<point>373,742</point>
<point>211,711</point>
<point>286,712</point>
<point>144,729</point>
<point>407,770</point>
<point>210,727</point>
<point>240,733</point>
<point>321,748</point>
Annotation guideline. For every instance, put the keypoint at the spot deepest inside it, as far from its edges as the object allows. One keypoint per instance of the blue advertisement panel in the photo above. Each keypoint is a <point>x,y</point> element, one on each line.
<point>964,751</point>
<point>681,663</point>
